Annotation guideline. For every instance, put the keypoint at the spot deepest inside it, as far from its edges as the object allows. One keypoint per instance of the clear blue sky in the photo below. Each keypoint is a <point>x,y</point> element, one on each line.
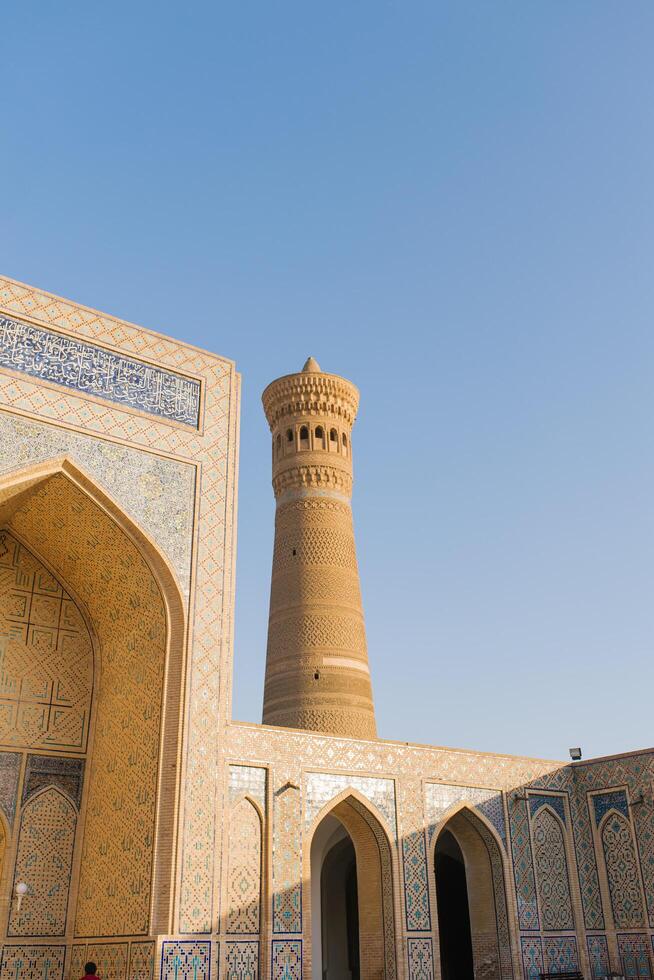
<point>449,203</point>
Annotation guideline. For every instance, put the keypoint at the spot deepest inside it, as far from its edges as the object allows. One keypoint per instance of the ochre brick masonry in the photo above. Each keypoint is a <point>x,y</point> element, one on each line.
<point>317,674</point>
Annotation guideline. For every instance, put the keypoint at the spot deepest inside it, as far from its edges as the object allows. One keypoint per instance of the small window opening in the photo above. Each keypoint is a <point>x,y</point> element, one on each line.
<point>345,440</point>
<point>333,435</point>
<point>294,551</point>
<point>319,432</point>
<point>304,434</point>
<point>316,676</point>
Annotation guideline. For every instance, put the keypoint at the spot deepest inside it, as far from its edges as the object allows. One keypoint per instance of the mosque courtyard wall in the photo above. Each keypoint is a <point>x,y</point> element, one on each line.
<point>159,838</point>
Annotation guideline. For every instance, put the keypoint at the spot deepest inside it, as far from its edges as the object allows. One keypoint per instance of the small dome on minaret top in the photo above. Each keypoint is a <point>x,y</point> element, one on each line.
<point>310,366</point>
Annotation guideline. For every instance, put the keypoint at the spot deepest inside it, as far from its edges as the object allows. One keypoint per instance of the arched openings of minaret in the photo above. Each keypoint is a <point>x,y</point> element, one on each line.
<point>309,437</point>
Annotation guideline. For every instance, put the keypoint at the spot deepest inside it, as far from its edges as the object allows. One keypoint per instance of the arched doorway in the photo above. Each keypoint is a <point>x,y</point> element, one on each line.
<point>352,922</point>
<point>335,903</point>
<point>89,610</point>
<point>471,900</point>
<point>453,910</point>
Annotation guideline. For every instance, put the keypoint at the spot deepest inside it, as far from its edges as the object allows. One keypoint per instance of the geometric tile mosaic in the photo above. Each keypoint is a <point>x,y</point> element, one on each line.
<point>532,956</point>
<point>248,781</point>
<point>634,956</point>
<point>48,770</point>
<point>78,960</point>
<point>555,802</point>
<point>598,954</point>
<point>493,810</point>
<point>586,862</point>
<point>32,963</point>
<point>414,855</point>
<point>244,869</point>
<point>269,747</point>
<point>241,961</point>
<point>421,959</point>
<point>286,959</point>
<point>287,862</point>
<point>9,773</point>
<point>85,367</point>
<point>578,784</point>
<point>416,887</point>
<point>622,872</point>
<point>43,863</point>
<point>603,802</point>
<point>581,784</point>
<point>321,787</point>
<point>158,493</point>
<point>141,961</point>
<point>586,783</point>
<point>523,867</point>
<point>110,959</point>
<point>439,797</point>
<point>644,827</point>
<point>46,657</point>
<point>552,872</point>
<point>185,960</point>
<point>560,954</point>
<point>265,746</point>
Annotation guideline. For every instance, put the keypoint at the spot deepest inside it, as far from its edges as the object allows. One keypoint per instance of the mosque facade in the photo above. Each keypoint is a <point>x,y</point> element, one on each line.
<point>145,830</point>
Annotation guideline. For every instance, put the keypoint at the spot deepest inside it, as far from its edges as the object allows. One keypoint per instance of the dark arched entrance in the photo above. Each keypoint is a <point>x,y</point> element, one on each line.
<point>340,912</point>
<point>473,919</point>
<point>453,910</point>
<point>351,888</point>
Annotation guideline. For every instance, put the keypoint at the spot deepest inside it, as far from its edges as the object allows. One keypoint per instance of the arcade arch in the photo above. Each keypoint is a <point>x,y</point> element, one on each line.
<point>122,720</point>
<point>471,899</point>
<point>351,881</point>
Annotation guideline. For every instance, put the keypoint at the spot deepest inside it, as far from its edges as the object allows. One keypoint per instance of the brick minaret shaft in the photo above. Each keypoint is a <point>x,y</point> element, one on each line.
<point>317,673</point>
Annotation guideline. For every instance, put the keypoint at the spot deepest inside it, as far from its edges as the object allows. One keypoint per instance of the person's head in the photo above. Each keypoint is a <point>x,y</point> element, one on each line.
<point>91,969</point>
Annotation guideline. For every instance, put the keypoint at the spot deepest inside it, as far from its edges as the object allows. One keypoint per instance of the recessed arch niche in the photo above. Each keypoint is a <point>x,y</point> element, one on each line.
<point>351,868</point>
<point>471,901</point>
<point>622,872</point>
<point>133,609</point>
